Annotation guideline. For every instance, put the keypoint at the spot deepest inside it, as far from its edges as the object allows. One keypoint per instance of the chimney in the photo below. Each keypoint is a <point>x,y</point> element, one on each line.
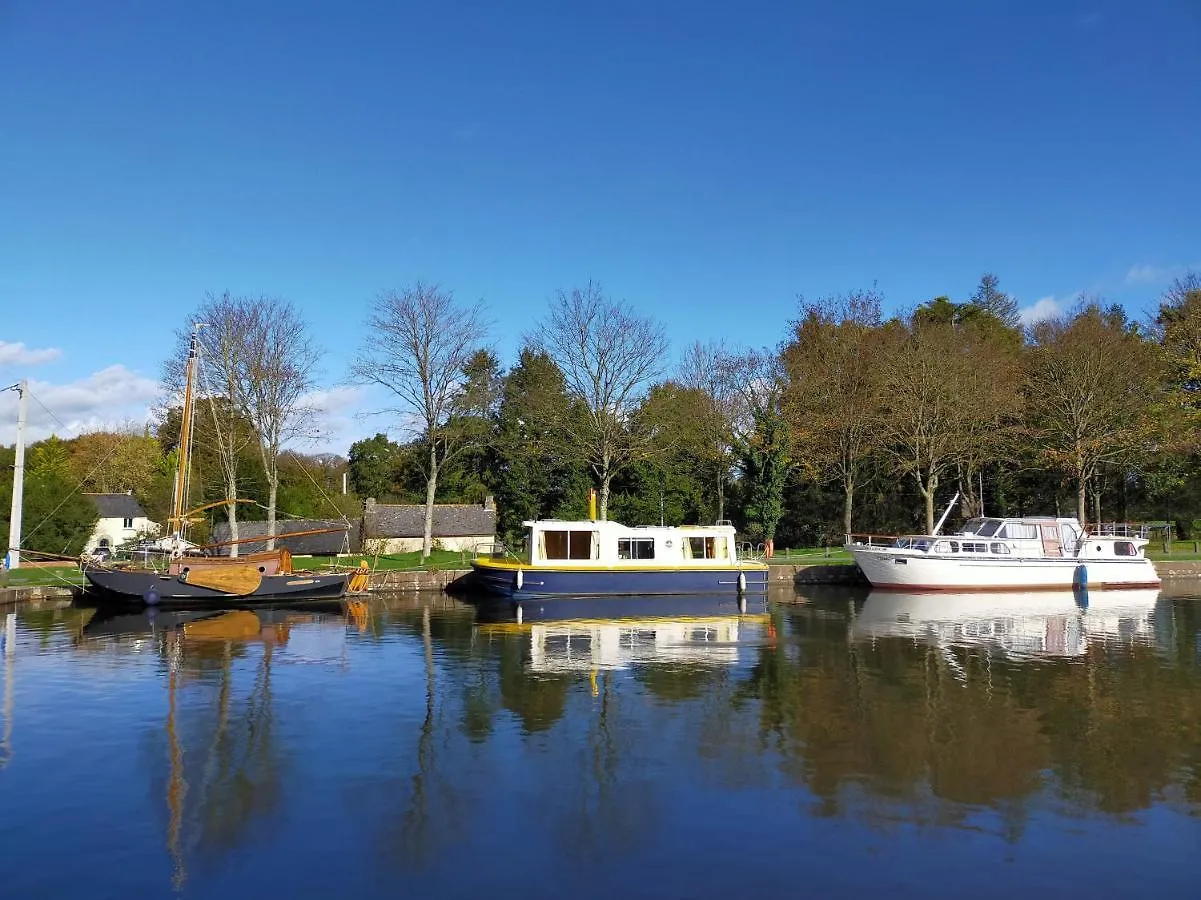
<point>489,502</point>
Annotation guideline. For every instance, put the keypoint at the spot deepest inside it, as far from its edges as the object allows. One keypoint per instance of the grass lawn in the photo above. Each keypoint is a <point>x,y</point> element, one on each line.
<point>810,556</point>
<point>62,576</point>
<point>391,562</point>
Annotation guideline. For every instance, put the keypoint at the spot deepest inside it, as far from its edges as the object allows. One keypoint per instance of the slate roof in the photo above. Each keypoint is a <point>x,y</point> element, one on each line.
<point>306,544</point>
<point>117,506</point>
<point>383,520</point>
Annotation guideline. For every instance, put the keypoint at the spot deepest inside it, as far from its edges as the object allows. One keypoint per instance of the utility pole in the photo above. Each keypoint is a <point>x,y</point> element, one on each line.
<point>14,521</point>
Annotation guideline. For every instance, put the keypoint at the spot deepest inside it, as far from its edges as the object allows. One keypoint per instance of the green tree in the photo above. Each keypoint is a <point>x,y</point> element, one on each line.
<point>762,444</point>
<point>374,466</point>
<point>530,469</point>
<point>989,298</point>
<point>56,517</point>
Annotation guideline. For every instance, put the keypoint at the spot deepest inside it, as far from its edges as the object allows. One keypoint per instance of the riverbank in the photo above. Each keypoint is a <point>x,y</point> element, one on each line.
<point>1176,575</point>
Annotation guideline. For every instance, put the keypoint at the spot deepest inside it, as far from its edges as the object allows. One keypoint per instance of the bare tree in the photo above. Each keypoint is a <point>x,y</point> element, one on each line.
<point>276,373</point>
<point>419,347</point>
<point>706,368</point>
<point>834,395</point>
<point>221,423</point>
<point>609,357</point>
<point>947,395</point>
<point>1093,385</point>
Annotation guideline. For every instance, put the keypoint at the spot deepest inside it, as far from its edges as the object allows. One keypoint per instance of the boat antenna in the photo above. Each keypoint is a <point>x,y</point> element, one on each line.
<point>946,512</point>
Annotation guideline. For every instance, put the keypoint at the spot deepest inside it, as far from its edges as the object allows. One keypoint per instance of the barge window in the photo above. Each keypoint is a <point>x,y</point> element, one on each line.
<point>1000,549</point>
<point>705,548</point>
<point>635,548</point>
<point>566,545</point>
<point>1124,548</point>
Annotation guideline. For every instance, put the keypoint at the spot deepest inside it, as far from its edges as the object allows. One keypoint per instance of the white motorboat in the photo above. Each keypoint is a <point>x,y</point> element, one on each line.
<point>1006,554</point>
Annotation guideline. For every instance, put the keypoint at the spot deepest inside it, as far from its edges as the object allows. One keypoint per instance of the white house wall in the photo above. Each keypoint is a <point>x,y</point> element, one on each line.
<point>408,545</point>
<point>116,533</point>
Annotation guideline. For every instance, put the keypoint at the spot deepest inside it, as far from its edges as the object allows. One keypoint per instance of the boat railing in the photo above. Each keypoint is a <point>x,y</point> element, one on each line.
<point>1142,530</point>
<point>864,539</point>
<point>750,551</point>
<point>493,550</point>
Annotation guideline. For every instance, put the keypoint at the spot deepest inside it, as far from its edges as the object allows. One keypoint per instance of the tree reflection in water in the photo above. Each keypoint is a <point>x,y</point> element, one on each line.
<point>597,761</point>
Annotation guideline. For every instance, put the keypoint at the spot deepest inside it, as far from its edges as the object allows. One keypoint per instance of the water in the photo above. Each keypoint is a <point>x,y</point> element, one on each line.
<point>405,748</point>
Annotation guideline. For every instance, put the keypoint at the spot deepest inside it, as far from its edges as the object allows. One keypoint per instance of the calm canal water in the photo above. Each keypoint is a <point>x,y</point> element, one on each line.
<point>923,745</point>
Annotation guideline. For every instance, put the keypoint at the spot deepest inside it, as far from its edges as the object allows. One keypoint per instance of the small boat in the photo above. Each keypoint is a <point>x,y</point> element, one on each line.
<point>195,579</point>
<point>598,558</point>
<point>1006,554</point>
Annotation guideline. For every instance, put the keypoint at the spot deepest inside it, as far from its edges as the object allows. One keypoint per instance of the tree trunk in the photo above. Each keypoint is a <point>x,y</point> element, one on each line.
<point>927,487</point>
<point>606,480</point>
<point>431,487</point>
<point>1097,500</point>
<point>848,498</point>
<point>231,514</point>
<point>272,493</point>
<point>721,495</point>
<point>1081,501</point>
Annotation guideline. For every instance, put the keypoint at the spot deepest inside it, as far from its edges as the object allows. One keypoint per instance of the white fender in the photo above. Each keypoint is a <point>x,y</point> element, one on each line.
<point>741,582</point>
<point>519,579</point>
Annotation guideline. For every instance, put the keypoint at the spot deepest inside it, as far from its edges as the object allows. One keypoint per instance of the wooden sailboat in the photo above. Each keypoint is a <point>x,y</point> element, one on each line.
<point>201,580</point>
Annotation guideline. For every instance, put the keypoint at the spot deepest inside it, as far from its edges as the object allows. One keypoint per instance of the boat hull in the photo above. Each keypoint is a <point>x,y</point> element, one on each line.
<point>889,568</point>
<point>153,588</point>
<point>495,609</point>
<point>549,582</point>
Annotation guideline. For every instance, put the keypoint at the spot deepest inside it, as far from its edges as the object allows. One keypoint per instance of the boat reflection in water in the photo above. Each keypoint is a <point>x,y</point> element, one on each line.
<point>1025,624</point>
<point>614,634</point>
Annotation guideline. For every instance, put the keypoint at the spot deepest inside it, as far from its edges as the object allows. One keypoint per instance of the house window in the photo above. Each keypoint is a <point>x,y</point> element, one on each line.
<point>127,523</point>
<point>635,548</point>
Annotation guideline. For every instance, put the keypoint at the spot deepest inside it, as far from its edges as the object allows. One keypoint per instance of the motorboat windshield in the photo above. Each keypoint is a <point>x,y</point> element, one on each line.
<point>982,527</point>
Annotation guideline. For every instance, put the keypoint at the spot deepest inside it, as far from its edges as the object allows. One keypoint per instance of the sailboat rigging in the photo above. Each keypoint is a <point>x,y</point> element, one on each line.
<point>206,579</point>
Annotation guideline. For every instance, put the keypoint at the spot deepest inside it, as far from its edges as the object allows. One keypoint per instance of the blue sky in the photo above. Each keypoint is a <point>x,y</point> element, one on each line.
<point>705,161</point>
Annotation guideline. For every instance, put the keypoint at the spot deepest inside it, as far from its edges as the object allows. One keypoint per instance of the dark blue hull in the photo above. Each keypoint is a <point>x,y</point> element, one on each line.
<point>495,609</point>
<point>551,583</point>
<point>154,589</point>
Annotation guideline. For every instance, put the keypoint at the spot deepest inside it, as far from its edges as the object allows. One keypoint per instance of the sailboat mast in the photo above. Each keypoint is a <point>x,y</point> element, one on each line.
<point>185,438</point>
<point>14,520</point>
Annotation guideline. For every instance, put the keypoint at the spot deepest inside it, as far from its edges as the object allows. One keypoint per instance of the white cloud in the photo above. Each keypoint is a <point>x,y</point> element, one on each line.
<point>107,398</point>
<point>19,355</point>
<point>338,422</point>
<point>1044,308</point>
<point>116,396</point>
<point>1148,274</point>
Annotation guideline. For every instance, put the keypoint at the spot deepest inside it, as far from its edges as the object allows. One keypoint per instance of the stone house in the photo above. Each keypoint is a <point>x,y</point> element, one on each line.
<point>400,527</point>
<point>330,543</point>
